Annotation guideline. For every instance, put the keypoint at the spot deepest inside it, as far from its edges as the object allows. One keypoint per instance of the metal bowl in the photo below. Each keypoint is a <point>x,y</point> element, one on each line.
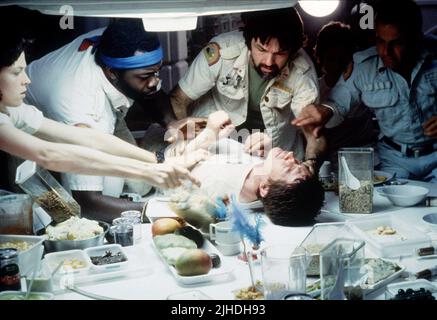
<point>62,245</point>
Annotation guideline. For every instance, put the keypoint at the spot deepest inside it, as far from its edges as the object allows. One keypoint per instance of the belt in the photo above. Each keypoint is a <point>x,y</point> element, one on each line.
<point>410,151</point>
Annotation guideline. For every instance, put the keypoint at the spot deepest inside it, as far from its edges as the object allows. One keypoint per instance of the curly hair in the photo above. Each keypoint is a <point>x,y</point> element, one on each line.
<point>283,24</point>
<point>295,205</point>
<point>123,38</point>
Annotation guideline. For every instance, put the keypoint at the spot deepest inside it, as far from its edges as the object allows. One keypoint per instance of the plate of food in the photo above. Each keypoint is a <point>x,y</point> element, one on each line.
<point>189,256</point>
<point>380,177</point>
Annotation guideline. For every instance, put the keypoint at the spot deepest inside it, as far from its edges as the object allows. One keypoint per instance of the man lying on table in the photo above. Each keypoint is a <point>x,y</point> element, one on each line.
<point>288,189</point>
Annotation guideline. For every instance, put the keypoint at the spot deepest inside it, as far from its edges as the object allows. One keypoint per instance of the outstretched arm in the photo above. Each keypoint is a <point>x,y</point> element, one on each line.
<point>315,147</point>
<point>58,132</point>
<point>180,102</point>
<point>63,157</point>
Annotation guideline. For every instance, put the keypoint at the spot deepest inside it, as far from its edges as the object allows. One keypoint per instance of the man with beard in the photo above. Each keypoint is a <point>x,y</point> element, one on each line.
<point>261,77</point>
<point>91,82</point>
<point>397,80</point>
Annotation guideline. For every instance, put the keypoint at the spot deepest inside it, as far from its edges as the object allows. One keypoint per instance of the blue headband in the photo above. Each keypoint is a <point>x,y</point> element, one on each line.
<point>140,61</point>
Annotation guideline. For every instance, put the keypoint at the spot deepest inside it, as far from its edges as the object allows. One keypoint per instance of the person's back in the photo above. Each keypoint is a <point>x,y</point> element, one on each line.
<point>68,78</point>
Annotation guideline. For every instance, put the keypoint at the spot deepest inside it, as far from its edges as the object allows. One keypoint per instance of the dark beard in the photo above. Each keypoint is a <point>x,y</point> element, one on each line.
<point>134,94</point>
<point>270,75</point>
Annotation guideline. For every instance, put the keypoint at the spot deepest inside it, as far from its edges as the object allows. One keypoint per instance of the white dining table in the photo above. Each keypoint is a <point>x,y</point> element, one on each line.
<point>152,279</point>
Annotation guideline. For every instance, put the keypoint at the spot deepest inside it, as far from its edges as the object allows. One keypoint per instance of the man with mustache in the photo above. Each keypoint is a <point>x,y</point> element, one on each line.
<point>397,80</point>
<point>261,77</point>
<point>91,82</point>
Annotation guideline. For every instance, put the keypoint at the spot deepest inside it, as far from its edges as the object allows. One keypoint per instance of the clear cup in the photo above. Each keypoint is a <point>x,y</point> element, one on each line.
<point>283,270</point>
<point>16,214</point>
<point>123,232</point>
<point>135,218</point>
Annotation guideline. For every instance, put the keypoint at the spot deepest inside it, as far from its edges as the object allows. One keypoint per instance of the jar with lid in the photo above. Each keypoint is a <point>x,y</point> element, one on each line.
<point>10,279</point>
<point>46,191</point>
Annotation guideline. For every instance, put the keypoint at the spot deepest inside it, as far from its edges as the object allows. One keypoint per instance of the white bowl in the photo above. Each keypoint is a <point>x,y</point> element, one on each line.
<point>404,196</point>
<point>431,221</point>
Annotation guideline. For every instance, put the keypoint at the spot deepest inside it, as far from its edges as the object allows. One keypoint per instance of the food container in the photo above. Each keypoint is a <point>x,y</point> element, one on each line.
<point>388,236</point>
<point>19,295</point>
<point>359,161</point>
<point>113,249</point>
<point>318,238</point>
<point>341,264</point>
<point>16,215</point>
<point>28,258</point>
<point>73,262</point>
<point>43,281</point>
<point>46,191</point>
<point>393,289</point>
<point>62,245</point>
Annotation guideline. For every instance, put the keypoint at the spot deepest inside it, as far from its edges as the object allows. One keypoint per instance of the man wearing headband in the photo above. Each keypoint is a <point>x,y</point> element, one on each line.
<point>91,82</point>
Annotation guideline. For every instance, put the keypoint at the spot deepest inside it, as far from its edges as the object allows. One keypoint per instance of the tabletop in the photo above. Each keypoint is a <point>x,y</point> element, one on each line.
<point>151,279</point>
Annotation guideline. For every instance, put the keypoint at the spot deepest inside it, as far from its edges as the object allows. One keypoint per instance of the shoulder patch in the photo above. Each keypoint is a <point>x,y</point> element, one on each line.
<point>212,53</point>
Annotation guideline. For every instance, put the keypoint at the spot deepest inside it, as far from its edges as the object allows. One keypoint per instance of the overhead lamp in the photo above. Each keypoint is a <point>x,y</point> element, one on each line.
<point>319,8</point>
<point>155,24</point>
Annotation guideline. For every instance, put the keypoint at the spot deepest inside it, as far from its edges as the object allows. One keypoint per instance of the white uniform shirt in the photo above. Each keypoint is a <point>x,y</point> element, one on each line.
<point>69,87</point>
<point>26,118</point>
<point>224,173</point>
<point>284,98</point>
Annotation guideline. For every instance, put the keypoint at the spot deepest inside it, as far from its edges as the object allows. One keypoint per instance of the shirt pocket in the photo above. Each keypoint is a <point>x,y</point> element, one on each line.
<point>229,98</point>
<point>380,95</point>
<point>278,99</point>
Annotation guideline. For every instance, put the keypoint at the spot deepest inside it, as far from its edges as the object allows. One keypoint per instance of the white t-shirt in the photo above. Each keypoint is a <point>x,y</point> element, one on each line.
<point>69,87</point>
<point>25,117</point>
<point>225,172</point>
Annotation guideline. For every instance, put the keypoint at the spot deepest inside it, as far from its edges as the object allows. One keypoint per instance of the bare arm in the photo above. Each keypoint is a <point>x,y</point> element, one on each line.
<point>180,102</point>
<point>58,132</point>
<point>315,147</point>
<point>78,159</point>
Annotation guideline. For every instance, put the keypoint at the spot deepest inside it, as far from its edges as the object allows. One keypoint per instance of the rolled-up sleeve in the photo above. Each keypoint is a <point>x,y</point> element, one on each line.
<point>306,92</point>
<point>200,77</point>
<point>26,118</point>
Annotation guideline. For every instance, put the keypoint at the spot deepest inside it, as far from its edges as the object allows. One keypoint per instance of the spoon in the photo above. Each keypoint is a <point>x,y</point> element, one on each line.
<point>351,181</point>
<point>34,273</point>
<point>337,292</point>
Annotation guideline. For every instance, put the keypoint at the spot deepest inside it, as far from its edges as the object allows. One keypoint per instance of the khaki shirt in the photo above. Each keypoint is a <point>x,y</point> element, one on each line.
<point>223,85</point>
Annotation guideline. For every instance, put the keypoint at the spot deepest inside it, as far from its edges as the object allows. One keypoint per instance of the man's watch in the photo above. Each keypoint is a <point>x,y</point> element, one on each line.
<point>160,157</point>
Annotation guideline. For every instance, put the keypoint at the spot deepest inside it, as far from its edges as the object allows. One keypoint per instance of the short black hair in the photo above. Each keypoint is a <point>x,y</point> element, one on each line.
<point>123,38</point>
<point>404,14</point>
<point>295,205</point>
<point>334,34</point>
<point>283,24</point>
<point>14,42</point>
